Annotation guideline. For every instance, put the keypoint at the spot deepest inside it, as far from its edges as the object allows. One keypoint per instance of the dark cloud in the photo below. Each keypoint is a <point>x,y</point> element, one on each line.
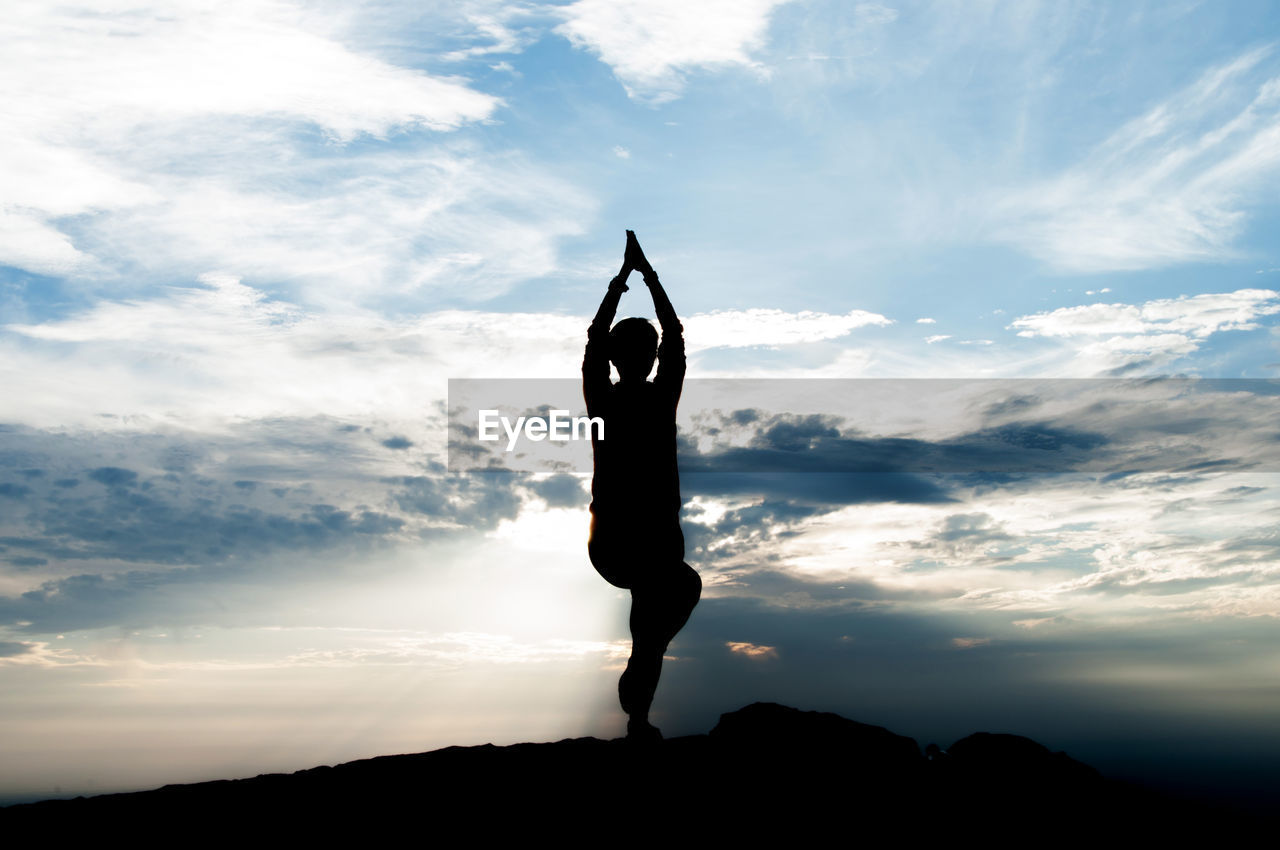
<point>133,599</point>
<point>1023,427</point>
<point>182,511</point>
<point>14,491</point>
<point>796,433</point>
<point>823,488</point>
<point>114,476</point>
<point>561,491</point>
<point>1141,582</point>
<point>1242,491</point>
<point>787,499</point>
<point>1136,367</point>
<point>39,544</point>
<point>787,589</point>
<point>971,529</point>
<point>788,443</point>
<point>1258,548</point>
<point>476,501</point>
<point>397,442</point>
<point>164,528</point>
<point>294,488</point>
<point>464,444</point>
<point>1014,405</point>
<point>9,648</point>
<point>1222,465</point>
<point>743,529</point>
<point>185,498</point>
<point>966,537</point>
<point>1138,480</point>
<point>213,556</point>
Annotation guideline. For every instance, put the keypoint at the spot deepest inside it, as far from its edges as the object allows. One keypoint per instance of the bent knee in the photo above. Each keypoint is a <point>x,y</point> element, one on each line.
<point>615,564</point>
<point>692,583</point>
<point>681,583</point>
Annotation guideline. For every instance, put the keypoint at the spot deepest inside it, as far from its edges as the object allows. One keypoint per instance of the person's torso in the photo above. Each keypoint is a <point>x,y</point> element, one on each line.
<point>636,473</point>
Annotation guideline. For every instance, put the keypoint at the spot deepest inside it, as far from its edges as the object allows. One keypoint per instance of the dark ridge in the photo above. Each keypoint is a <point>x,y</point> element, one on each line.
<point>764,772</point>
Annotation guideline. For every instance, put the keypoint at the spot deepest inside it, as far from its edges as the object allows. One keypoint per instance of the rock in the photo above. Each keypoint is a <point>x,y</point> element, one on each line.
<point>1018,760</point>
<point>764,773</point>
<point>776,734</point>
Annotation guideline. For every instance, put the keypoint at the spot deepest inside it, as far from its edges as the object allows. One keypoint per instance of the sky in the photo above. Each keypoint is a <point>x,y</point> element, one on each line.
<point>1002,276</point>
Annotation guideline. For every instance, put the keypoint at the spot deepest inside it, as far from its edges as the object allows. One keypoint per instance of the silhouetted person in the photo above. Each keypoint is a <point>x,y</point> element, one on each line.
<point>636,542</point>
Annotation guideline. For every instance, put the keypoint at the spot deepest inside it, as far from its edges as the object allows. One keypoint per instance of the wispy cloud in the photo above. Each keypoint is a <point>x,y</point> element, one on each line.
<point>1170,186</point>
<point>1119,336</point>
<point>753,651</point>
<point>1197,316</point>
<point>456,650</point>
<point>362,226</point>
<point>495,28</point>
<point>42,654</point>
<point>762,326</point>
<point>131,125</point>
<point>234,352</point>
<point>652,45</point>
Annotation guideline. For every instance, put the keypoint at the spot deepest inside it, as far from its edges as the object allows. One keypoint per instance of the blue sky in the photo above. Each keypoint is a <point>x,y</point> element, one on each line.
<point>244,245</point>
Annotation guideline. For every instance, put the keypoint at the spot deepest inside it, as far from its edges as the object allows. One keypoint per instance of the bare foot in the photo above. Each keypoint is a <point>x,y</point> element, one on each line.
<point>642,731</point>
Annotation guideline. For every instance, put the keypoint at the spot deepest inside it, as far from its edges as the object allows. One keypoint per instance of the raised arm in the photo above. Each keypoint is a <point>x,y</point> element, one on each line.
<point>595,361</point>
<point>671,359</point>
<point>609,304</point>
<point>662,306</point>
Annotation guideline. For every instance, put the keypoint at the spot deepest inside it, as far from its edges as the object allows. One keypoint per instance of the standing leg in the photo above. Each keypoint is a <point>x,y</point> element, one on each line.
<point>659,609</point>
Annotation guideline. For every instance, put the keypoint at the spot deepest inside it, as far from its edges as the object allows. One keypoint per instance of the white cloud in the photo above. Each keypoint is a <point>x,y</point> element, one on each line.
<point>744,328</point>
<point>379,223</point>
<point>491,23</point>
<point>1107,337</point>
<point>453,650</point>
<point>1076,548</point>
<point>926,321</point>
<point>1171,186</point>
<point>230,352</point>
<point>936,338</point>
<point>152,110</point>
<point>26,242</point>
<point>652,45</point>
<point>1197,316</point>
<point>113,65</point>
<point>621,153</point>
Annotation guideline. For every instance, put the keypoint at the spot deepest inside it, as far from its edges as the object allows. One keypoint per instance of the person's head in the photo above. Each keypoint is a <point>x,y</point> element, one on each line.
<point>633,346</point>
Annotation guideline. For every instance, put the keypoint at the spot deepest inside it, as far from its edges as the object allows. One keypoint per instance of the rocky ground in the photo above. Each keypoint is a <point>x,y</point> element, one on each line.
<point>764,773</point>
